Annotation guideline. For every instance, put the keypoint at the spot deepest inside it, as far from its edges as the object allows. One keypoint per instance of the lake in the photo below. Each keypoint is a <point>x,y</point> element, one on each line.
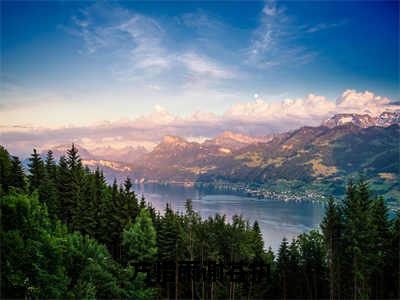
<point>277,218</point>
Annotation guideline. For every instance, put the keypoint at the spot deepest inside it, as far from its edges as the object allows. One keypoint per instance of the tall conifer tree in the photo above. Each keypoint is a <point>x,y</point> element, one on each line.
<point>18,177</point>
<point>36,170</point>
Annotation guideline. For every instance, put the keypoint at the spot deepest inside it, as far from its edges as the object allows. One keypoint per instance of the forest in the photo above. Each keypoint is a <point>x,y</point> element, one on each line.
<point>66,233</point>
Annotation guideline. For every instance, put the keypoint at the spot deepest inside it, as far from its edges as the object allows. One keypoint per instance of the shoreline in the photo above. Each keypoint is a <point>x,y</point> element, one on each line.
<point>247,190</point>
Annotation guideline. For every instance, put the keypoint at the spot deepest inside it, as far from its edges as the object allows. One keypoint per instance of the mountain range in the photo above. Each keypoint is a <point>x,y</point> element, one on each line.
<point>325,155</point>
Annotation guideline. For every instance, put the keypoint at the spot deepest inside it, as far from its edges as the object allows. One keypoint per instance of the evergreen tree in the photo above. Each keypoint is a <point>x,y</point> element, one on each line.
<point>382,261</point>
<point>36,170</point>
<point>190,222</point>
<point>357,239</point>
<point>257,241</point>
<point>51,166</point>
<point>17,179</point>
<point>169,236</point>
<point>88,216</point>
<point>394,272</point>
<point>64,190</point>
<point>5,169</point>
<point>332,229</point>
<point>294,276</point>
<point>140,239</point>
<point>312,263</point>
<point>356,257</point>
<point>131,202</point>
<point>169,243</point>
<point>48,194</point>
<point>283,269</point>
<point>32,261</point>
<point>74,201</point>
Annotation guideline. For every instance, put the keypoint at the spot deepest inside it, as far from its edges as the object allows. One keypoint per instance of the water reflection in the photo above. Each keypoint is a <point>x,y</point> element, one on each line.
<point>277,219</point>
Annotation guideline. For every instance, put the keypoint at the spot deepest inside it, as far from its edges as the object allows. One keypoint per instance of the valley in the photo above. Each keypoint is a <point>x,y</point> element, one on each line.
<point>307,163</point>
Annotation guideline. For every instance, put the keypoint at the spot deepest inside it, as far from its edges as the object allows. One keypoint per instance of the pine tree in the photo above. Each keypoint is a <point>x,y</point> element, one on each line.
<point>140,239</point>
<point>394,277</point>
<point>169,236</point>
<point>130,200</point>
<point>257,242</point>
<point>48,194</point>
<point>294,277</point>
<point>312,262</point>
<point>102,207</point>
<point>87,212</point>
<point>64,190</point>
<point>114,221</point>
<point>76,172</point>
<point>5,169</point>
<point>332,229</point>
<point>51,166</point>
<point>283,268</point>
<point>169,242</point>
<point>36,170</point>
<point>18,177</point>
<point>382,262</point>
<point>357,239</point>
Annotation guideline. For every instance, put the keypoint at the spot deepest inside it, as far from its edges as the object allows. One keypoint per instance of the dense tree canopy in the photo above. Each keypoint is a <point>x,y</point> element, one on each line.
<point>66,233</point>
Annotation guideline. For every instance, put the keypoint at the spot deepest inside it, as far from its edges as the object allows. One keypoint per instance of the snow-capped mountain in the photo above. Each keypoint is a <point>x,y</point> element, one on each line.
<point>364,120</point>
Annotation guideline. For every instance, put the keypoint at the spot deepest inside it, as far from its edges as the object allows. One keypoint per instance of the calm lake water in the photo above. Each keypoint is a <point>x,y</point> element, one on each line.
<point>277,219</point>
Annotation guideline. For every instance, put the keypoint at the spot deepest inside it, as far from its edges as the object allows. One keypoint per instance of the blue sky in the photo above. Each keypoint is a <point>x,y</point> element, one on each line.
<point>68,63</point>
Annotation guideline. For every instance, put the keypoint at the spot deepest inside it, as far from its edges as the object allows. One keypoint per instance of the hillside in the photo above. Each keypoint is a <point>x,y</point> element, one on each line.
<point>312,155</point>
<point>307,158</point>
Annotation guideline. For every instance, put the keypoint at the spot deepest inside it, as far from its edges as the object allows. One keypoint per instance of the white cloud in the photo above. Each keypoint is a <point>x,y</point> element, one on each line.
<point>301,111</point>
<point>258,117</point>
<point>141,47</point>
<point>277,39</point>
<point>324,26</point>
<point>270,8</point>
<point>205,66</point>
<point>362,102</point>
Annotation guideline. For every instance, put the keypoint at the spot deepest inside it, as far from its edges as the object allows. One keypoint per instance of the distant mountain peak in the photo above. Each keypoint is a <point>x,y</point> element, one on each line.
<point>172,139</point>
<point>237,137</point>
<point>363,120</point>
<point>60,150</point>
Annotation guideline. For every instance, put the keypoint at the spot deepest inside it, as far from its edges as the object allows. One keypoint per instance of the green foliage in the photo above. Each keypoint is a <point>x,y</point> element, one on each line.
<point>32,254</point>
<point>36,171</point>
<point>5,169</point>
<point>17,179</point>
<point>357,237</point>
<point>70,235</point>
<point>140,239</point>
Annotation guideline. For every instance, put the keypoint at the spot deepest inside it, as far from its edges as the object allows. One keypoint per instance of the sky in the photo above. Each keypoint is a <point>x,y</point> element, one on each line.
<point>126,73</point>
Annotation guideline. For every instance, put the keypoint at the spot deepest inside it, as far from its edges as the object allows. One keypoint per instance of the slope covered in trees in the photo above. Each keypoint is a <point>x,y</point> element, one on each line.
<point>320,158</point>
<point>65,233</point>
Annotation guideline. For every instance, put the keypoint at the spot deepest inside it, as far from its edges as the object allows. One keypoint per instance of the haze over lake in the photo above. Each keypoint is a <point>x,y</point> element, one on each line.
<point>277,218</point>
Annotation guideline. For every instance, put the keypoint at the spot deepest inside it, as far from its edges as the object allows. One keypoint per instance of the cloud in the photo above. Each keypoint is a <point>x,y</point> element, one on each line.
<point>142,49</point>
<point>206,67</point>
<point>257,117</point>
<point>324,26</point>
<point>312,108</point>
<point>278,39</point>
<point>270,8</point>
<point>362,102</point>
<point>134,41</point>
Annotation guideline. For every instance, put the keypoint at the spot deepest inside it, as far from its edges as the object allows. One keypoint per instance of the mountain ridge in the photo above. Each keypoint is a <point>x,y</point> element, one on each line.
<point>342,146</point>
